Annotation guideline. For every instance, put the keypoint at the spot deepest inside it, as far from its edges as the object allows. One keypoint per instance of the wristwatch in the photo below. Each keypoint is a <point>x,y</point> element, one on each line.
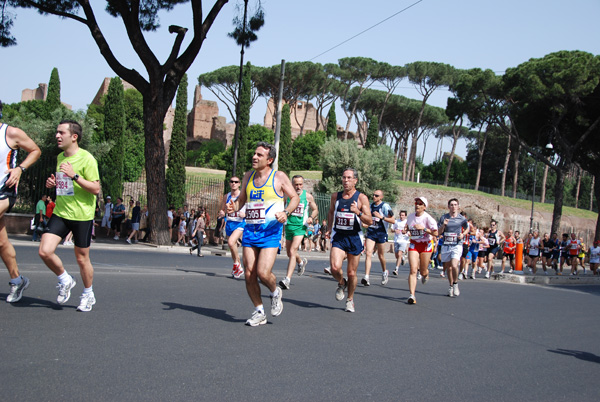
<point>75,177</point>
<point>23,169</point>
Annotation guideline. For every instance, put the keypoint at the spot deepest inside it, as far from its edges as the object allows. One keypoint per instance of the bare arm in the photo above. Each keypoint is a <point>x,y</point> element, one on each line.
<point>313,208</point>
<point>330,215</point>
<point>16,138</point>
<point>363,206</point>
<point>285,186</point>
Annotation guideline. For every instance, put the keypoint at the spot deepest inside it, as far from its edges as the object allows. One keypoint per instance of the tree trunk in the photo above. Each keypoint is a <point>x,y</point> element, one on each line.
<point>578,186</point>
<point>558,199</point>
<point>404,167</point>
<point>480,151</point>
<point>155,169</point>
<point>516,172</point>
<point>544,179</point>
<point>412,160</point>
<point>592,194</point>
<point>596,187</point>
<point>505,168</point>
<point>451,158</point>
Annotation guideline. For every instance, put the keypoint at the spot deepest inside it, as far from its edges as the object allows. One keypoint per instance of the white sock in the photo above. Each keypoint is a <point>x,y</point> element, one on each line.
<point>367,277</point>
<point>260,309</point>
<point>397,268</point>
<point>288,278</point>
<point>64,277</point>
<point>277,290</point>
<point>88,290</point>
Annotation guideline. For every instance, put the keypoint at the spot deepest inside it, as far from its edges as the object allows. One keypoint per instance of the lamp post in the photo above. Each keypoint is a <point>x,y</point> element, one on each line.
<point>549,147</point>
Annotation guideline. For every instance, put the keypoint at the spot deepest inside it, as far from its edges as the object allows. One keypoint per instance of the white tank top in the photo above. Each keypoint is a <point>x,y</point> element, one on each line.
<point>8,156</point>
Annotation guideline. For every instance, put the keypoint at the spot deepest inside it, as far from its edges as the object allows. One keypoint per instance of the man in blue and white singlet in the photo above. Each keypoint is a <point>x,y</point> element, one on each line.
<point>234,226</point>
<point>263,192</point>
<point>11,140</point>
<point>377,236</point>
<point>348,209</point>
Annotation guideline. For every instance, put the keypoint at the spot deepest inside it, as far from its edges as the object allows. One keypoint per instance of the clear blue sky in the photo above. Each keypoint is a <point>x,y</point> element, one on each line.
<point>464,33</point>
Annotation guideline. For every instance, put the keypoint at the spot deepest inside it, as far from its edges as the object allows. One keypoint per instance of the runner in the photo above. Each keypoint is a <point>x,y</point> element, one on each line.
<point>13,139</point>
<point>555,252</point>
<point>295,228</point>
<point>483,244</point>
<point>564,252</point>
<point>264,189</point>
<point>467,255</point>
<point>581,255</point>
<point>595,258</point>
<point>453,226</point>
<point>421,227</point>
<point>547,250</point>
<point>495,238</point>
<point>401,240</point>
<point>347,210</point>
<point>535,244</point>
<point>234,225</point>
<point>77,184</point>
<point>377,236</point>
<point>574,248</point>
<point>509,249</point>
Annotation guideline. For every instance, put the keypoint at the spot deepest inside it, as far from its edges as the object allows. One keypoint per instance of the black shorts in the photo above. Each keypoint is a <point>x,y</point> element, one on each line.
<point>547,255</point>
<point>482,254</point>
<point>116,223</point>
<point>82,230</point>
<point>9,193</point>
<point>493,250</point>
<point>510,256</point>
<point>465,251</point>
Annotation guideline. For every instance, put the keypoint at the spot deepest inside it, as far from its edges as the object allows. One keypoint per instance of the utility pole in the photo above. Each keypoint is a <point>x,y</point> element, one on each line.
<point>278,121</point>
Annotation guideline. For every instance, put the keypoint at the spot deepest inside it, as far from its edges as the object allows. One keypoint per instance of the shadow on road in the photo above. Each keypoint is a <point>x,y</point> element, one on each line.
<point>588,357</point>
<point>33,302</point>
<point>207,312</point>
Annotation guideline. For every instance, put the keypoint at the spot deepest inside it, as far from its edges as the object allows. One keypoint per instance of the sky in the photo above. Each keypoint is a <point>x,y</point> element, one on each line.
<point>463,33</point>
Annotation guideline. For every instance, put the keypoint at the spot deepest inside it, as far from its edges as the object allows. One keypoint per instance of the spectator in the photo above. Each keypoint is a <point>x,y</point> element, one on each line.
<point>49,207</point>
<point>182,229</point>
<point>199,233</point>
<point>144,224</point>
<point>219,228</point>
<point>170,221</point>
<point>135,223</point>
<point>118,214</point>
<point>40,213</point>
<point>107,218</point>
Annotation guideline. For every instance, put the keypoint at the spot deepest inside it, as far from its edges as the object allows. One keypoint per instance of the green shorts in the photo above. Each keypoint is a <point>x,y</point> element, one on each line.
<point>293,231</point>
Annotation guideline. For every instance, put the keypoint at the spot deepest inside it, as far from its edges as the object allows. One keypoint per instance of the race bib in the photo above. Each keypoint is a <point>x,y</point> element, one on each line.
<point>416,233</point>
<point>492,241</point>
<point>64,185</point>
<point>450,239</point>
<point>375,223</point>
<point>255,213</point>
<point>344,220</point>
<point>299,211</point>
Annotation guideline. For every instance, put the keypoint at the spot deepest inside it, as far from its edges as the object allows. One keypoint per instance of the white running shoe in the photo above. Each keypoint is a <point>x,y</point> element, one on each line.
<point>116,238</point>
<point>384,277</point>
<point>451,291</point>
<point>276,304</point>
<point>419,275</point>
<point>510,271</point>
<point>395,272</point>
<point>302,266</point>
<point>86,301</point>
<point>487,275</point>
<point>129,241</point>
<point>442,274</point>
<point>257,319</point>
<point>339,292</point>
<point>284,284</point>
<point>412,300</point>
<point>327,270</point>
<point>64,291</point>
<point>350,305</point>
<point>365,282</point>
<point>456,291</point>
<point>16,291</point>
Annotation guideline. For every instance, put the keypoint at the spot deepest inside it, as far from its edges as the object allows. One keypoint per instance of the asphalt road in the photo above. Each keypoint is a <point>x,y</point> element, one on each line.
<point>170,326</point>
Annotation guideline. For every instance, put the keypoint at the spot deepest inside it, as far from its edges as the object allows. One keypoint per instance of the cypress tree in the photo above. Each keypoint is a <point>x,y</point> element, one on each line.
<point>176,164</point>
<point>53,96</point>
<point>134,140</point>
<point>114,131</point>
<point>372,133</point>
<point>331,123</point>
<point>244,120</point>
<point>285,140</point>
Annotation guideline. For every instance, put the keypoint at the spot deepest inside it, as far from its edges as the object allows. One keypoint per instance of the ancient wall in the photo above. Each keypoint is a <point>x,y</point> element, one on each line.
<point>38,93</point>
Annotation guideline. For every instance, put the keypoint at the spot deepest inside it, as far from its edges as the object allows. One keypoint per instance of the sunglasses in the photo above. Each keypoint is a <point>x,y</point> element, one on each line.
<point>376,195</point>
<point>234,181</point>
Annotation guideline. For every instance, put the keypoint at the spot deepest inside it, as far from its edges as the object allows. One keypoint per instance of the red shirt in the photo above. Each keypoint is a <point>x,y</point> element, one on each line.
<point>50,208</point>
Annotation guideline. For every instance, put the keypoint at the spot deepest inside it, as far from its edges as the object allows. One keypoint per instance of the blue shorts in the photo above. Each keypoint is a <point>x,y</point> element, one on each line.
<point>493,250</point>
<point>232,226</point>
<point>377,237</point>
<point>351,244</point>
<point>265,238</point>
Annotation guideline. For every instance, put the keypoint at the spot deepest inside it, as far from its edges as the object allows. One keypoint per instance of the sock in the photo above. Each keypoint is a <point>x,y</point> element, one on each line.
<point>397,268</point>
<point>16,281</point>
<point>273,294</point>
<point>288,278</point>
<point>64,277</point>
<point>367,277</point>
<point>88,290</point>
<point>260,309</point>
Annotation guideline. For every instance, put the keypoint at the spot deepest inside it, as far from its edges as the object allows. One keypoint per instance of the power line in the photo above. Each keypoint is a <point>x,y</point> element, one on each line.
<point>368,29</point>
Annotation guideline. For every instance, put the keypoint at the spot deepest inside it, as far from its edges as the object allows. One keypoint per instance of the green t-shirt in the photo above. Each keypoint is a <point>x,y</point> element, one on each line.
<point>41,206</point>
<point>299,216</point>
<point>72,201</point>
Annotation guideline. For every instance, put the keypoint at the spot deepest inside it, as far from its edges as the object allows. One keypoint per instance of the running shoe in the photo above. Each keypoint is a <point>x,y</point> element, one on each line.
<point>16,291</point>
<point>451,291</point>
<point>384,277</point>
<point>258,318</point>
<point>284,284</point>
<point>64,290</point>
<point>327,270</point>
<point>365,282</point>
<point>86,301</point>
<point>412,300</point>
<point>234,270</point>
<point>462,276</point>
<point>350,305</point>
<point>487,275</point>
<point>339,292</point>
<point>456,291</point>
<point>276,304</point>
<point>129,241</point>
<point>510,271</point>
<point>419,275</point>
<point>424,279</point>
<point>239,272</point>
<point>302,266</point>
<point>395,272</point>
<point>116,238</point>
<point>442,274</point>
<point>402,261</point>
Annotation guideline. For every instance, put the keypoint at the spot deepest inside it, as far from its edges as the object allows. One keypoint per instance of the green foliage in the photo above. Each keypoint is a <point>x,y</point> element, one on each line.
<point>331,123</point>
<point>459,172</point>
<point>285,141</point>
<point>96,114</point>
<point>306,150</point>
<point>256,133</point>
<point>374,166</point>
<point>244,119</point>
<point>134,140</point>
<point>176,164</point>
<point>372,133</point>
<point>53,96</point>
<point>202,155</point>
<point>111,168</point>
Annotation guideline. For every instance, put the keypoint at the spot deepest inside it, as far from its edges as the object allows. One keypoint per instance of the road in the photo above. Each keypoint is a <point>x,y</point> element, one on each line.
<point>170,326</point>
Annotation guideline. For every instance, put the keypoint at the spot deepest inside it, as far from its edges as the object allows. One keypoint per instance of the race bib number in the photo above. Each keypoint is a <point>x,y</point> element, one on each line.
<point>64,185</point>
<point>344,220</point>
<point>416,233</point>
<point>450,238</point>
<point>375,223</point>
<point>255,213</point>
<point>299,211</point>
<point>492,241</point>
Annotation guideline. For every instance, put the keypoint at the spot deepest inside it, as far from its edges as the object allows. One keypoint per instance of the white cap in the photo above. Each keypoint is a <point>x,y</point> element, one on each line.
<point>423,200</point>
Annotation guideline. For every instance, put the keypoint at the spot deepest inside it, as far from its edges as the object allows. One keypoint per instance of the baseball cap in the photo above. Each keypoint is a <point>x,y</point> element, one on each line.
<point>108,197</point>
<point>423,200</point>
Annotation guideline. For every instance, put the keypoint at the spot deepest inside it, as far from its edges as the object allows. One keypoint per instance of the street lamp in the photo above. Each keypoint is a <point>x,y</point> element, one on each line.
<point>549,147</point>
